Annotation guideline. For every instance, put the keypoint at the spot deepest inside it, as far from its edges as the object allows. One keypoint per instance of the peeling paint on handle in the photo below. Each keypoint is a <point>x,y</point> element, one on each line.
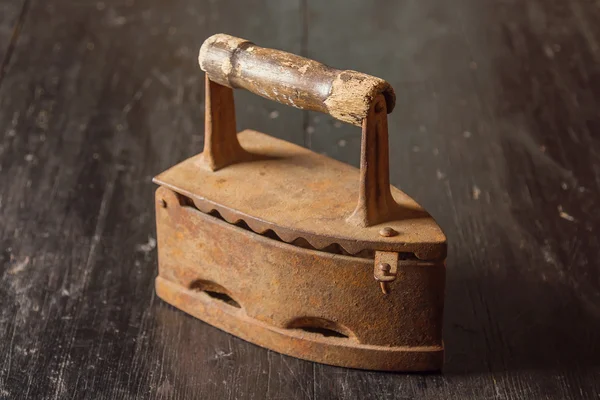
<point>292,80</point>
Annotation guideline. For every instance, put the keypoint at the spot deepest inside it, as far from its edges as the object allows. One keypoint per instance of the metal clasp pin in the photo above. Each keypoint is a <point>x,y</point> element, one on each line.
<point>385,269</point>
<point>382,274</point>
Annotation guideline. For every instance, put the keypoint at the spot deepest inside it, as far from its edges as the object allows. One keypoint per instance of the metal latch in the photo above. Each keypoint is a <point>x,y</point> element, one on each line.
<point>385,268</point>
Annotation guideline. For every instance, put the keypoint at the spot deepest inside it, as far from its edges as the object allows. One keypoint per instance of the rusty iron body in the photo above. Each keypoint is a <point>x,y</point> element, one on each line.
<point>263,238</point>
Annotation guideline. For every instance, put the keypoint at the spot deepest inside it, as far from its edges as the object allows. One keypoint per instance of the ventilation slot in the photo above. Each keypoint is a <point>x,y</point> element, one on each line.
<point>215,291</point>
<point>322,327</point>
<point>325,332</point>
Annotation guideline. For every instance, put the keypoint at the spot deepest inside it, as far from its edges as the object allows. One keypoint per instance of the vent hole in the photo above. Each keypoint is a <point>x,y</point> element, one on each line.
<point>321,326</point>
<point>325,332</point>
<point>215,291</point>
<point>225,298</point>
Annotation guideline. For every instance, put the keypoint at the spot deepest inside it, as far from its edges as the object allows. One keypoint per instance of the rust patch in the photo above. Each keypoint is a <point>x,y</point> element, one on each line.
<point>306,303</point>
<point>292,250</point>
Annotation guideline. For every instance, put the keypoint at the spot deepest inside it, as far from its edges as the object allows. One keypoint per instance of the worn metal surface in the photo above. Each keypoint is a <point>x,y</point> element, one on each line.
<point>337,292</point>
<point>376,203</point>
<point>350,96</point>
<point>295,194</point>
<point>298,193</point>
<point>309,304</point>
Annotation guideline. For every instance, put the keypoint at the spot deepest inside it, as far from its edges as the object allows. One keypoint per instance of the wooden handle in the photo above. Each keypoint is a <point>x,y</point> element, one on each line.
<point>291,79</point>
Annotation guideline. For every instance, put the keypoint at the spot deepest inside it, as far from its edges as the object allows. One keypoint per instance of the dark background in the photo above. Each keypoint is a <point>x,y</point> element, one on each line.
<point>496,133</point>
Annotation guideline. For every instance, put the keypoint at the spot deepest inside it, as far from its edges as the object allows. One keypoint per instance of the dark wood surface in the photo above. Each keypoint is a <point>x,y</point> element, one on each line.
<point>496,132</point>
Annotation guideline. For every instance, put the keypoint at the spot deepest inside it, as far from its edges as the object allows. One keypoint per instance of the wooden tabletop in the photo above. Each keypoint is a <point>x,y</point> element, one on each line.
<point>496,132</point>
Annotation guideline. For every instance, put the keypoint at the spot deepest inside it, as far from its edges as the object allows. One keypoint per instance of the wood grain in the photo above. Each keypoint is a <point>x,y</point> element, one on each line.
<point>291,79</point>
<point>12,15</point>
<point>496,132</point>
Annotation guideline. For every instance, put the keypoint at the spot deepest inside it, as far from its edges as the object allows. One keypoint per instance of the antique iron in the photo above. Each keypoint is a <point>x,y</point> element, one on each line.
<point>263,238</point>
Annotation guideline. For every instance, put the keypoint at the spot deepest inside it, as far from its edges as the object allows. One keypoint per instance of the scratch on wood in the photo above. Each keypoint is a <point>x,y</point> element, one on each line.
<point>148,246</point>
<point>19,266</point>
<point>564,215</point>
<point>10,349</point>
<point>100,224</point>
<point>293,373</point>
<point>13,40</point>
<point>137,96</point>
